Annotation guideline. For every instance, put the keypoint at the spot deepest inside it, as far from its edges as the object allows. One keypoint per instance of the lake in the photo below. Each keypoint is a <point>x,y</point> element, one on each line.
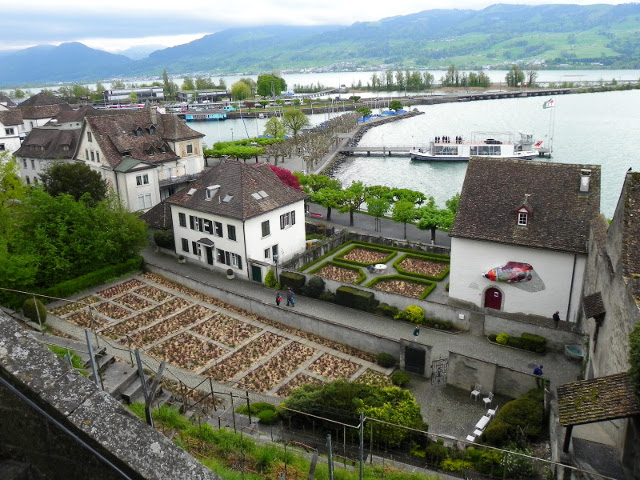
<point>595,128</point>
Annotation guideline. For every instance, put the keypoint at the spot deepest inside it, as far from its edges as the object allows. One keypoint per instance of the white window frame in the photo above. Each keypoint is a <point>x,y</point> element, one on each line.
<point>523,219</point>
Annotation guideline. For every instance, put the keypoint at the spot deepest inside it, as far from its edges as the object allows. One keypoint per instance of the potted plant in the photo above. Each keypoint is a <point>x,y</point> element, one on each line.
<point>181,259</point>
<point>229,273</point>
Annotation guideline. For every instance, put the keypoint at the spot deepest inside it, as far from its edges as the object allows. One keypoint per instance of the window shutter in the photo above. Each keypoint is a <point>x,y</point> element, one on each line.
<point>239,262</point>
<point>293,217</point>
<point>281,222</point>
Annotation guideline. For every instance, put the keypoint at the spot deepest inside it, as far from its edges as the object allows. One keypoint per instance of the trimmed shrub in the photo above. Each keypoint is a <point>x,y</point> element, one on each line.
<point>292,279</point>
<point>502,339</point>
<point>414,314</point>
<point>385,360</point>
<point>164,239</point>
<point>534,343</point>
<point>268,417</point>
<point>355,298</point>
<point>524,415</point>
<point>327,297</point>
<point>400,378</point>
<point>270,279</point>
<point>31,308</point>
<point>314,287</point>
<point>386,310</point>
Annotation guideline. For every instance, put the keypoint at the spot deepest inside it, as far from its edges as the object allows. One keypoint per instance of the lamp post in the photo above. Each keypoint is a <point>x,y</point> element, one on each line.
<point>275,260</point>
<point>232,134</point>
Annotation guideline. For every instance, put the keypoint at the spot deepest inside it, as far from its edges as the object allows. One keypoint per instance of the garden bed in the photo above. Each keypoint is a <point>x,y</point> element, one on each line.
<point>365,255</point>
<point>402,286</point>
<point>187,351</point>
<point>340,273</point>
<point>433,269</point>
<point>296,382</point>
<point>334,367</point>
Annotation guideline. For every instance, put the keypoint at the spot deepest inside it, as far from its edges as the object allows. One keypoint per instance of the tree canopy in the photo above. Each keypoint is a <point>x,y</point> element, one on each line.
<point>274,128</point>
<point>270,85</point>
<point>294,120</point>
<point>395,105</point>
<point>74,179</point>
<point>240,91</point>
<point>286,177</point>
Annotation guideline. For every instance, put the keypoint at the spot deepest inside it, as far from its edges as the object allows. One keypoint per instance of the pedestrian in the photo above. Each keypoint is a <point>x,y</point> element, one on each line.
<point>290,297</point>
<point>556,319</point>
<point>538,370</point>
<point>416,332</point>
<point>278,298</point>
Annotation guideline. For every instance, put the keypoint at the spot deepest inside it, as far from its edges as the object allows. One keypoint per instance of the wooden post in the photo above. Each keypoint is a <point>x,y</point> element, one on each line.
<point>567,439</point>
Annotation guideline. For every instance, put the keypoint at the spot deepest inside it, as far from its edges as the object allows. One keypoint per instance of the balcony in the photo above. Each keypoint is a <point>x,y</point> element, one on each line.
<point>178,179</point>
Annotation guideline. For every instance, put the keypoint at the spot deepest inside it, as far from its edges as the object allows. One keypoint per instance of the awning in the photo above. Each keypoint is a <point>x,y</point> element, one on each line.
<point>206,241</point>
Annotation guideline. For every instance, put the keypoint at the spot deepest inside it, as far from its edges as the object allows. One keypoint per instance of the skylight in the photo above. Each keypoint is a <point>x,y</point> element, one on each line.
<point>191,191</point>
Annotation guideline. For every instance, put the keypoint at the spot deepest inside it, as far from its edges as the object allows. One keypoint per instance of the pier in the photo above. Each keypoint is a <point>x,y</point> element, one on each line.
<point>391,151</point>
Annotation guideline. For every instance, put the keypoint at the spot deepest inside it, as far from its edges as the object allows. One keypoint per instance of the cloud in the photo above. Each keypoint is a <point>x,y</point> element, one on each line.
<point>110,25</point>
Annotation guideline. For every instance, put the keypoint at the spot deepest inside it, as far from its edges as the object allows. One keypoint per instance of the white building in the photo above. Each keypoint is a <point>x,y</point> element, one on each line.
<point>519,240</point>
<point>239,216</point>
<point>144,156</point>
<point>10,129</point>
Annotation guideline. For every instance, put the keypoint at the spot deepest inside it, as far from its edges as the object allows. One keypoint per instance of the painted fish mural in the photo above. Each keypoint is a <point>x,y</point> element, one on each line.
<point>511,272</point>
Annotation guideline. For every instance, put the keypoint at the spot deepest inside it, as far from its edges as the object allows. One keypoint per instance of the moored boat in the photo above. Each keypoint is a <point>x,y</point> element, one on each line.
<point>482,144</point>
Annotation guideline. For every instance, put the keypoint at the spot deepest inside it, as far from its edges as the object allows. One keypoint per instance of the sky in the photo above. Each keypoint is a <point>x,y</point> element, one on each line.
<point>117,25</point>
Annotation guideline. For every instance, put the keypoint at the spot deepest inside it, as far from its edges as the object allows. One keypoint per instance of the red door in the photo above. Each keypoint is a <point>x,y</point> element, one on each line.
<point>493,298</point>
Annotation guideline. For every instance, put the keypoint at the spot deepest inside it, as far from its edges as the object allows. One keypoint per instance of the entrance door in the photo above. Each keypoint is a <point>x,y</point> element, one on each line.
<point>493,298</point>
<point>209,252</point>
<point>414,360</point>
<point>256,273</point>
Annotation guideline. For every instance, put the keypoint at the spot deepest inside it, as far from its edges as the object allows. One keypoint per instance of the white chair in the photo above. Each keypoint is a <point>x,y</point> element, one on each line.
<point>476,391</point>
<point>488,399</point>
<point>471,438</point>
<point>477,432</point>
<point>492,412</point>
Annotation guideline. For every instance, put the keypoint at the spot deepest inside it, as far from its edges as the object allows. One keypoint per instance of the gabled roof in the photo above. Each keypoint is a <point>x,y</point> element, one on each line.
<point>116,135</point>
<point>630,257</point>
<point>42,111</point>
<point>49,144</point>
<point>40,99</point>
<point>159,216</point>
<point>597,400</point>
<point>494,188</point>
<point>6,100</point>
<point>10,117</point>
<point>244,191</point>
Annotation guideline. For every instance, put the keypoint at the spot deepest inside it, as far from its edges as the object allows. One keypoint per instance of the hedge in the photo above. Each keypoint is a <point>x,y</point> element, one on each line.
<point>409,273</point>
<point>355,298</point>
<point>292,279</point>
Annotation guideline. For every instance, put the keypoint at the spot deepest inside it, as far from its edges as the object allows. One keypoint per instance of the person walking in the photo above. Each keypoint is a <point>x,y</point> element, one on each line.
<point>538,373</point>
<point>278,298</point>
<point>556,319</point>
<point>290,297</point>
<point>416,332</point>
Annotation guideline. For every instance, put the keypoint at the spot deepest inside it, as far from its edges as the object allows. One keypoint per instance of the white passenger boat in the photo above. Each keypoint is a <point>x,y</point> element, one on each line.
<point>482,144</point>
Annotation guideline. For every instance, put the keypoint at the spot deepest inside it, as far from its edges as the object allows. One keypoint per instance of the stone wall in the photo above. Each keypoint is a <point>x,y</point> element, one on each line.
<point>59,424</point>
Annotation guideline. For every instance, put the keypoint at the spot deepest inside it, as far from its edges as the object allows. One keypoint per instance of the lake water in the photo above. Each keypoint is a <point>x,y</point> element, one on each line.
<point>595,128</point>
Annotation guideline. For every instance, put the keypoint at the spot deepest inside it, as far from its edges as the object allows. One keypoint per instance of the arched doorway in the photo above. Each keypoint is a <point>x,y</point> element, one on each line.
<point>493,298</point>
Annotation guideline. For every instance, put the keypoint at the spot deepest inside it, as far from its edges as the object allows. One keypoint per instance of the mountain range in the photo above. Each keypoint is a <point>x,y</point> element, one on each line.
<point>606,36</point>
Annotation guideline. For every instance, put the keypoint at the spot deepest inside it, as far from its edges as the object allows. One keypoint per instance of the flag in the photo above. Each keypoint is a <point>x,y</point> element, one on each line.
<point>548,103</point>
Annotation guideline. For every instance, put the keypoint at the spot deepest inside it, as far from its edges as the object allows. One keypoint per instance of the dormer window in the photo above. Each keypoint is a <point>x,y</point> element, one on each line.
<point>152,130</point>
<point>138,132</point>
<point>163,149</point>
<point>523,219</point>
<point>151,151</point>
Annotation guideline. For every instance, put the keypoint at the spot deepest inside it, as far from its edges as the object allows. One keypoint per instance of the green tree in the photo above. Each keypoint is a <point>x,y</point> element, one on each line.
<point>515,77</point>
<point>353,198</point>
<point>187,84</point>
<point>413,196</point>
<point>378,207</point>
<point>452,203</point>
<point>74,179</point>
<point>313,183</point>
<point>329,198</point>
<point>403,211</point>
<point>133,96</point>
<point>204,83</point>
<point>270,85</point>
<point>364,111</point>
<point>169,87</point>
<point>395,105</point>
<point>294,120</point>
<point>430,217</point>
<point>118,85</point>
<point>240,91</point>
<point>274,128</point>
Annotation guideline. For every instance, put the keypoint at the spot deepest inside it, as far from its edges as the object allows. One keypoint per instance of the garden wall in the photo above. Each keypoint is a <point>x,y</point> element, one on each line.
<point>295,319</point>
<point>464,372</point>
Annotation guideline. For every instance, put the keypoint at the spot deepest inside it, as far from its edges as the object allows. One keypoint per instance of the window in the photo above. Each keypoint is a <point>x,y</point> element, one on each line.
<point>27,179</point>
<point>217,229</point>
<point>287,219</point>
<point>93,158</point>
<point>8,131</point>
<point>2,147</point>
<point>33,164</point>
<point>189,148</point>
<point>97,156</point>
<point>65,148</point>
<point>138,132</point>
<point>144,201</point>
<point>208,226</point>
<point>185,245</point>
<point>266,230</point>
<point>231,232</point>
<point>86,154</point>
<point>24,162</point>
<point>182,219</point>
<point>152,130</point>
<point>267,252</point>
<point>228,258</point>
<point>140,179</point>
<point>196,248</point>
<point>274,250</point>
<point>89,137</point>
<point>522,219</point>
